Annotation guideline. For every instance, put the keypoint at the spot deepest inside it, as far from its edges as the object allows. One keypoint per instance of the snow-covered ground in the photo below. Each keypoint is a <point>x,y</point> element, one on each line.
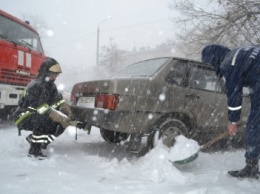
<point>90,165</point>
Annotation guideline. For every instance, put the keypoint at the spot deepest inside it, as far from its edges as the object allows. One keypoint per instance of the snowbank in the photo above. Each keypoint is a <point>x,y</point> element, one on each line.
<point>183,148</point>
<point>91,165</point>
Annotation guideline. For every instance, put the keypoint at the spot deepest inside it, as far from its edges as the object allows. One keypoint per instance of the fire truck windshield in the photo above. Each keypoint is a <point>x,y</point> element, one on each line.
<point>19,35</point>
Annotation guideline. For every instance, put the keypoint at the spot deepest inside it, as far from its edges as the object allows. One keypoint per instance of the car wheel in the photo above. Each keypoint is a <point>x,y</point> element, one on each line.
<point>112,136</point>
<point>166,130</point>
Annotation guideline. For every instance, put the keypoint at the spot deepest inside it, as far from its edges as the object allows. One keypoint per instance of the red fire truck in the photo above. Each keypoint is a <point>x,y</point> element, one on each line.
<point>21,54</point>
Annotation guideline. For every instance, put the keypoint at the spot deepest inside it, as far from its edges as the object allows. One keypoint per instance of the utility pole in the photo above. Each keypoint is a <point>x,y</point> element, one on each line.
<point>98,31</point>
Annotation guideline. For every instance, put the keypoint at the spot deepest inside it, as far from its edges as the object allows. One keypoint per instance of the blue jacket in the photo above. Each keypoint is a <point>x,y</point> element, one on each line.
<point>240,67</point>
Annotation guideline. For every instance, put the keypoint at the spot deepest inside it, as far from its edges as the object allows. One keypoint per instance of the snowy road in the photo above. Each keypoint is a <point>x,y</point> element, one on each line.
<point>90,165</point>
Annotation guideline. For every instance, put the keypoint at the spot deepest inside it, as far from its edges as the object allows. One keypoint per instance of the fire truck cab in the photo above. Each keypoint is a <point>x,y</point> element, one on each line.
<point>21,54</point>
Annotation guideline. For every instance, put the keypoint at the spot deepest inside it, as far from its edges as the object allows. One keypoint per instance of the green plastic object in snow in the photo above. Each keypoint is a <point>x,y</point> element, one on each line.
<point>187,160</point>
<point>204,146</point>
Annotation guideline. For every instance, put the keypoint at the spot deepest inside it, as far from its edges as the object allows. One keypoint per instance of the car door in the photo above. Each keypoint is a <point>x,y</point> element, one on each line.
<point>174,90</point>
<point>205,97</point>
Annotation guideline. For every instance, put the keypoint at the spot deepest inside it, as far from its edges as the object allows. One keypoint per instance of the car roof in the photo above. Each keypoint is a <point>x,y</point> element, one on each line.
<point>179,58</point>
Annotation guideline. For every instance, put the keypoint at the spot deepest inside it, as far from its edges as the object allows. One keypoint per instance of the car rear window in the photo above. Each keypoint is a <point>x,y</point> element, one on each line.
<point>142,69</point>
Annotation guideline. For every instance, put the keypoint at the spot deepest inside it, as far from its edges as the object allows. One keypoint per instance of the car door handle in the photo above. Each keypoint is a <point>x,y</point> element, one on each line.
<point>192,96</point>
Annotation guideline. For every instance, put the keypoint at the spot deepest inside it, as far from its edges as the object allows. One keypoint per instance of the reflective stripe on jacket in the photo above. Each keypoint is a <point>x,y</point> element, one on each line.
<point>43,109</point>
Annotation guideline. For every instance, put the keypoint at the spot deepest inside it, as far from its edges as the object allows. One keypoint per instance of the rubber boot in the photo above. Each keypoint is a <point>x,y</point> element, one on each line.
<point>35,151</point>
<point>29,138</point>
<point>53,135</point>
<point>251,170</point>
<point>44,145</point>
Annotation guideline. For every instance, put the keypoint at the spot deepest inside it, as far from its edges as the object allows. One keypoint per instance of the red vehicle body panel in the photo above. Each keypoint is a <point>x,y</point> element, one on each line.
<point>11,72</point>
<point>21,55</point>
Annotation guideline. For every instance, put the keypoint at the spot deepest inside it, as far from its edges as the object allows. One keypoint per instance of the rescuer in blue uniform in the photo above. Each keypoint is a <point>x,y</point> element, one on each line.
<point>240,68</point>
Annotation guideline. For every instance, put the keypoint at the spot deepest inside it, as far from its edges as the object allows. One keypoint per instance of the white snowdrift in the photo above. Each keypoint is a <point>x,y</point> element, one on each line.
<point>183,148</point>
<point>90,165</point>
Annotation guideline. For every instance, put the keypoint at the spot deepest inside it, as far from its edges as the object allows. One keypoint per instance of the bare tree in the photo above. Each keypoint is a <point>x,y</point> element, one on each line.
<point>229,22</point>
<point>111,57</point>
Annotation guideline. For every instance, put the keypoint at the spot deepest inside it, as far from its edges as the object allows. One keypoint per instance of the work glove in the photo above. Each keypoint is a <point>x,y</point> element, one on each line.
<point>59,117</point>
<point>66,109</point>
<point>64,120</point>
<point>232,128</point>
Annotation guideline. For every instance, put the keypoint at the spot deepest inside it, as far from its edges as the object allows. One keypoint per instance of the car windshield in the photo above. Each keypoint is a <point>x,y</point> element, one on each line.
<point>141,69</point>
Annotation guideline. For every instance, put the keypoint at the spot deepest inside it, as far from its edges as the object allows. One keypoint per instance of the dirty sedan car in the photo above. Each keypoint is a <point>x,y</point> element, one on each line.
<point>164,96</point>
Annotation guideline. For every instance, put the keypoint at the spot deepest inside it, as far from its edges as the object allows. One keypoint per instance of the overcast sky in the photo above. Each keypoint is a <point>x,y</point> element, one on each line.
<point>72,37</point>
<point>72,34</point>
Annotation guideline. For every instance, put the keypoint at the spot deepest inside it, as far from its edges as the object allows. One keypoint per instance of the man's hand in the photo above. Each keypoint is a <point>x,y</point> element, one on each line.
<point>232,128</point>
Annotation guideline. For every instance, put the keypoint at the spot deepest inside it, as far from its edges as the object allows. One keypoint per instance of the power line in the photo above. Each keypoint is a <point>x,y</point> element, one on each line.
<point>72,40</point>
<point>112,29</point>
<point>135,25</point>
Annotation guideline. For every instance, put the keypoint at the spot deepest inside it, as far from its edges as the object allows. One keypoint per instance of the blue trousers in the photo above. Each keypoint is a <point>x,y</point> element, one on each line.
<point>253,125</point>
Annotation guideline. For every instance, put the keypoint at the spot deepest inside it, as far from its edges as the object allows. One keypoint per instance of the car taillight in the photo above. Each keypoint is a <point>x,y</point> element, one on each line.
<point>107,101</point>
<point>73,99</point>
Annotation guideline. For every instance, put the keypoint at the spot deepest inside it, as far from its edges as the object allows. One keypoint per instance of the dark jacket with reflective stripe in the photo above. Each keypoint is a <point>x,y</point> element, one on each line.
<point>240,67</point>
<point>39,92</point>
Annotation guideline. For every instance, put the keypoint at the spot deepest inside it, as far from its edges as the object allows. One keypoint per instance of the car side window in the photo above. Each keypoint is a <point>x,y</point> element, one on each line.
<point>202,78</point>
<point>177,73</point>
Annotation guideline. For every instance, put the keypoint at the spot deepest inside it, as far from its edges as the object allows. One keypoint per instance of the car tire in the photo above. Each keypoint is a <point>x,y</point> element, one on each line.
<point>112,136</point>
<point>166,129</point>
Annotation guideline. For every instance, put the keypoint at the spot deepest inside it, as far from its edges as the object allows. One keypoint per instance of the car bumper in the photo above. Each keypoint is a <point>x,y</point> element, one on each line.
<point>120,121</point>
